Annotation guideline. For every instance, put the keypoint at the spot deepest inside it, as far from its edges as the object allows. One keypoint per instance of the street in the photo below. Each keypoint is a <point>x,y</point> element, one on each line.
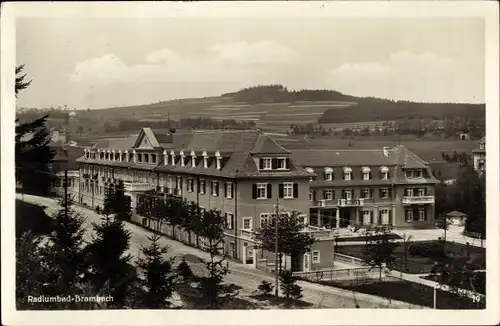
<point>244,276</point>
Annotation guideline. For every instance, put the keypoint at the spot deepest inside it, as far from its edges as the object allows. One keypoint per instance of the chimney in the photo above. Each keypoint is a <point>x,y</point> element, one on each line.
<point>385,150</point>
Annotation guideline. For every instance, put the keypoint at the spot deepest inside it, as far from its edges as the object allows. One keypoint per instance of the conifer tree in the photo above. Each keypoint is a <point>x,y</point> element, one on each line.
<point>65,248</point>
<point>214,293</point>
<point>109,201</point>
<point>156,275</point>
<point>108,260</point>
<point>21,84</point>
<point>121,204</point>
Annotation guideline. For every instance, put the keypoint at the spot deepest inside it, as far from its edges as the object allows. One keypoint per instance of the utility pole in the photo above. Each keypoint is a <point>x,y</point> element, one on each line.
<point>276,247</point>
<point>65,185</point>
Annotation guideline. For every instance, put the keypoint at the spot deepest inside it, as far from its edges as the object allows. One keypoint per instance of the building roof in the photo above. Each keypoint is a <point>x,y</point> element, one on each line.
<point>456,214</point>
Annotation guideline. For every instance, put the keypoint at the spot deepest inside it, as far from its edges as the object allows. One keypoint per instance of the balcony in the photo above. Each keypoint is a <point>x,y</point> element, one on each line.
<point>137,186</point>
<point>247,233</point>
<point>408,200</point>
<point>86,175</point>
<point>350,202</point>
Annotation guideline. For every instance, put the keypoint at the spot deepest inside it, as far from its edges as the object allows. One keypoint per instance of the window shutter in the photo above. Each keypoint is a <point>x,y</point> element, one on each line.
<point>232,221</point>
<point>198,185</point>
<point>226,222</point>
<point>225,189</point>
<point>269,191</point>
<point>380,193</point>
<point>232,190</point>
<point>287,163</point>
<point>371,217</point>
<point>274,163</point>
<point>426,191</point>
<point>380,174</point>
<point>324,175</point>
<point>390,217</point>
<point>261,163</point>
<point>254,191</point>
<point>415,214</point>
<point>280,190</point>
<point>211,187</point>
<point>324,193</point>
<point>314,195</point>
<point>295,190</point>
<point>371,193</point>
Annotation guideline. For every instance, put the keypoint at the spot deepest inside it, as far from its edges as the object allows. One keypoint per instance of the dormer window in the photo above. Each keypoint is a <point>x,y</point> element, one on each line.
<point>384,173</point>
<point>347,173</point>
<point>172,156</point>
<point>218,160</point>
<point>328,174</point>
<point>205,159</point>
<point>282,163</point>
<point>481,145</point>
<point>193,159</point>
<point>165,157</point>
<point>146,158</point>
<point>266,163</point>
<point>182,159</point>
<point>366,173</point>
<point>417,174</point>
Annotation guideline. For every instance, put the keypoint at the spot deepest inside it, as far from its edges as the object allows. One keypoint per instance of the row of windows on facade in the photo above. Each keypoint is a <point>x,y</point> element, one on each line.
<point>154,158</point>
<point>367,193</point>
<point>366,173</point>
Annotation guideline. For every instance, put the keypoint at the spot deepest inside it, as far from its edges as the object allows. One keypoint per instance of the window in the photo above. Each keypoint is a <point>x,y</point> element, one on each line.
<point>366,193</point>
<point>229,190</point>
<point>348,194</point>
<point>247,223</point>
<point>384,193</point>
<point>288,190</point>
<point>229,221</point>
<point>203,187</point>
<point>190,185</point>
<point>328,194</point>
<point>366,217</point>
<point>153,158</point>
<point>366,173</point>
<point>421,214</point>
<point>310,196</point>
<point>384,175</point>
<point>420,192</point>
<point>262,191</point>
<point>146,158</point>
<point>266,164</point>
<point>417,174</point>
<point>328,174</point>
<point>481,145</point>
<point>282,164</point>
<point>315,257</point>
<point>409,215</point>
<point>409,192</point>
<point>264,217</point>
<point>215,188</point>
<point>193,161</point>
<point>347,175</point>
<point>409,174</point>
<point>232,249</point>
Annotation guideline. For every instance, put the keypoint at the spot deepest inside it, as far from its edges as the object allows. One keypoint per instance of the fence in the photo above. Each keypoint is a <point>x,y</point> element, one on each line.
<point>356,274</point>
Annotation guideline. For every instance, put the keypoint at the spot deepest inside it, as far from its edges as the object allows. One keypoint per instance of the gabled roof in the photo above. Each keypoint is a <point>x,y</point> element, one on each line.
<point>148,133</point>
<point>342,157</point>
<point>122,144</point>
<point>456,214</point>
<point>267,145</point>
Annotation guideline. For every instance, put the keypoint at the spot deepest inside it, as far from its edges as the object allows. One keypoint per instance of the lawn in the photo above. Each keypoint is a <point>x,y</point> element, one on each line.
<point>417,264</point>
<point>410,292</point>
<point>479,282</point>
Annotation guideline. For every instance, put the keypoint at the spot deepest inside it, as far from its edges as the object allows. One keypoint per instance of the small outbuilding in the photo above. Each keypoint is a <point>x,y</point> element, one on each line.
<point>457,218</point>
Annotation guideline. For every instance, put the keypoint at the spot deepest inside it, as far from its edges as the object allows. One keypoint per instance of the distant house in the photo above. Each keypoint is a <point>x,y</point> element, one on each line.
<point>58,135</point>
<point>464,136</point>
<point>457,218</point>
<point>480,156</point>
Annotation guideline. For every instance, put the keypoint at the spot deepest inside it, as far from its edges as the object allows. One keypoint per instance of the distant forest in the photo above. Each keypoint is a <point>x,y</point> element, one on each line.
<point>366,109</point>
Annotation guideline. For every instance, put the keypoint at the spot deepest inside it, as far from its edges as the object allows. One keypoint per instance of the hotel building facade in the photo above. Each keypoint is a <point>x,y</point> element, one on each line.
<point>245,174</point>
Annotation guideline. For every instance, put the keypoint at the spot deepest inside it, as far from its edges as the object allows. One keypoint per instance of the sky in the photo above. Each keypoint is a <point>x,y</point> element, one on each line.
<point>98,63</point>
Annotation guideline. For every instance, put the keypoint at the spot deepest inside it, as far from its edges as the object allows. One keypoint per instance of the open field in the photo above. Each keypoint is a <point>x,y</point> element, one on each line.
<point>417,264</point>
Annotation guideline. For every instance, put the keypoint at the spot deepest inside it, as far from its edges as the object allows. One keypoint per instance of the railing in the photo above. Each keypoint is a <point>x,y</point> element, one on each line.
<point>86,175</point>
<point>349,202</point>
<point>137,186</point>
<point>333,274</point>
<point>247,233</point>
<point>418,200</point>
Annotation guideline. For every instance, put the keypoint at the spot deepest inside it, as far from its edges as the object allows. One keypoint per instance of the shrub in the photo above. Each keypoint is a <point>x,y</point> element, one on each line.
<point>184,270</point>
<point>265,288</point>
<point>288,286</point>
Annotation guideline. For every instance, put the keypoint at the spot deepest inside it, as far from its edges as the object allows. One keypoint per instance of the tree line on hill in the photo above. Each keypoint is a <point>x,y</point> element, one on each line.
<point>185,123</point>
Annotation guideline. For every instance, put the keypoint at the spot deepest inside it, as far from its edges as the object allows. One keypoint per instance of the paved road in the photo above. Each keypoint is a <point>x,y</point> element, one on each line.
<point>242,275</point>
